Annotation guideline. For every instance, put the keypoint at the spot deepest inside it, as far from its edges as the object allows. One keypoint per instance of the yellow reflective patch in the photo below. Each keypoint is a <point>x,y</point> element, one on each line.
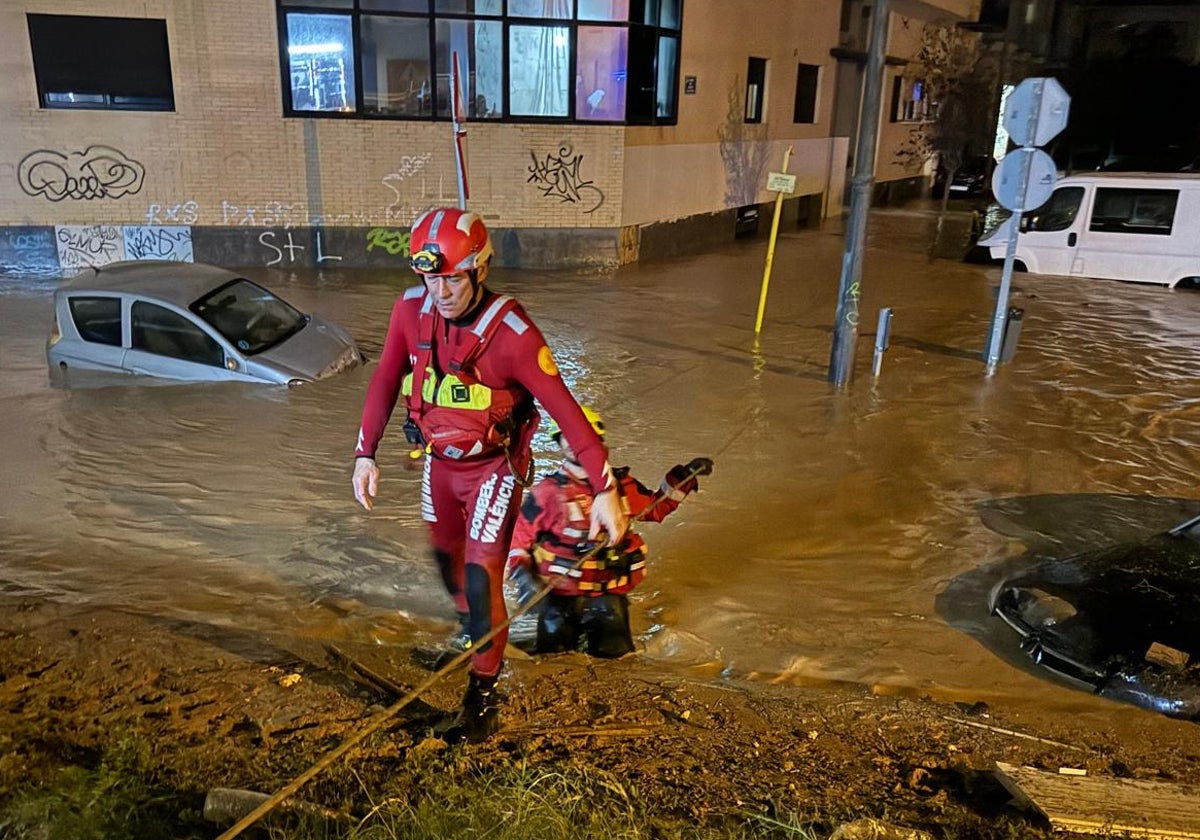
<point>427,386</point>
<point>454,393</point>
<point>546,361</point>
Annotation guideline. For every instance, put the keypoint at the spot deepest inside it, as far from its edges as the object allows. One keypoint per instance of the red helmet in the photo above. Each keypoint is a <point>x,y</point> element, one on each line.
<point>447,240</point>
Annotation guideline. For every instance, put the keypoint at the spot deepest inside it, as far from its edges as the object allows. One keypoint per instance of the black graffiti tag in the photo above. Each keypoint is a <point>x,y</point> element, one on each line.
<point>96,172</point>
<point>558,177</point>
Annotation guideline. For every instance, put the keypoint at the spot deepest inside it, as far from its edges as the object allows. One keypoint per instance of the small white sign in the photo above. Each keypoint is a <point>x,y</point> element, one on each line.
<point>781,182</point>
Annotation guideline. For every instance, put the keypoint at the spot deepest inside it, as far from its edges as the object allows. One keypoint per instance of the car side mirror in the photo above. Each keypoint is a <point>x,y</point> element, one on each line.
<point>1025,223</point>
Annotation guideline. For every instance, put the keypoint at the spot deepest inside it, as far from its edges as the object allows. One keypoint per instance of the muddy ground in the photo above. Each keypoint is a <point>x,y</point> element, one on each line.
<point>225,710</point>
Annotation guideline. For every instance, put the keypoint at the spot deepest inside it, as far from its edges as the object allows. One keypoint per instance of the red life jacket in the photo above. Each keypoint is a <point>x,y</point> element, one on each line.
<point>612,570</point>
<point>460,417</point>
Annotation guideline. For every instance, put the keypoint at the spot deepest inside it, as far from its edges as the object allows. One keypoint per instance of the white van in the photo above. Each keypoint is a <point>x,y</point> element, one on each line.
<point>1142,227</point>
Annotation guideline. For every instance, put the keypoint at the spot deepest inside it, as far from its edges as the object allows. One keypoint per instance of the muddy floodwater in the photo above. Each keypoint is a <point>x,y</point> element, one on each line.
<point>815,552</point>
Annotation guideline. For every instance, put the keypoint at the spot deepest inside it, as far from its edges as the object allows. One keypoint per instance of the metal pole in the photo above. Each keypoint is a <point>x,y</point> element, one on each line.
<point>766,281</point>
<point>845,324</point>
<point>996,338</point>
<point>882,332</point>
<point>1014,223</point>
<point>458,118</point>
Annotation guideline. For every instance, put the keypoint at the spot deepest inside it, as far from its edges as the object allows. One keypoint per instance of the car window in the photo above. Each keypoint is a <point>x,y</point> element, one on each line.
<point>158,330</point>
<point>248,316</point>
<point>98,319</point>
<point>1058,212</point>
<point>1134,211</point>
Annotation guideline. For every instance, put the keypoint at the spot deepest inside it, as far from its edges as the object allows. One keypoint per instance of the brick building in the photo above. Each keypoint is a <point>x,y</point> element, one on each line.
<point>273,132</point>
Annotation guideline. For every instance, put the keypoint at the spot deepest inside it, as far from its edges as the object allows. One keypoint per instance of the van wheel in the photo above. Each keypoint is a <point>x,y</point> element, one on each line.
<point>1188,283</point>
<point>1019,266</point>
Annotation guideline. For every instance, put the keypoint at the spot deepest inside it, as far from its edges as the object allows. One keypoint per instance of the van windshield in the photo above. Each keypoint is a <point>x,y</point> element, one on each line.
<point>1058,212</point>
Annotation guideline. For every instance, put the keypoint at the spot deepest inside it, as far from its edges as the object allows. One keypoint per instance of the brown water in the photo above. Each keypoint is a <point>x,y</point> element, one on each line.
<point>815,551</point>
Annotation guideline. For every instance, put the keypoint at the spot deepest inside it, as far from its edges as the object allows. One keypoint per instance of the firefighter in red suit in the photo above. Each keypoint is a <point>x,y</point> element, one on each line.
<point>589,600</point>
<point>469,364</point>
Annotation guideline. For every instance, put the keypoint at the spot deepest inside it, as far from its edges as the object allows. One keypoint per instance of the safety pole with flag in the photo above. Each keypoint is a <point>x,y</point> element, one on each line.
<point>458,113</point>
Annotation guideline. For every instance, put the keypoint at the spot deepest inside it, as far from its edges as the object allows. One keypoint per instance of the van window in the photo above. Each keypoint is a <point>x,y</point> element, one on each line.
<point>1057,213</point>
<point>166,333</point>
<point>98,319</point>
<point>1134,211</point>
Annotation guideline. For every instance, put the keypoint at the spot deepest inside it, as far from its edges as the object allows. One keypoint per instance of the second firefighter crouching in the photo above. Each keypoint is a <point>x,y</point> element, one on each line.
<point>588,607</point>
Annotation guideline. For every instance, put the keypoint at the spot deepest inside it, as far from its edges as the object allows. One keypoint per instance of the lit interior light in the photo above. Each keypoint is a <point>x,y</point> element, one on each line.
<point>309,49</point>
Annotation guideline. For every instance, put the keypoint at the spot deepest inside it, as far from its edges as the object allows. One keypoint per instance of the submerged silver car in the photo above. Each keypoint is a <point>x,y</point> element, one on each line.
<point>189,321</point>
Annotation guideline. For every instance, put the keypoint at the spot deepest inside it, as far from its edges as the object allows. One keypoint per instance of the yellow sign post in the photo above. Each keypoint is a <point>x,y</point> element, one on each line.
<point>779,183</point>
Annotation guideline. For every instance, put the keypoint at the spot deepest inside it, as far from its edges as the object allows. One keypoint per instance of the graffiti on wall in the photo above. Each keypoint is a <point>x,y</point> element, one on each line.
<point>409,165</point>
<point>80,246</point>
<point>148,242</point>
<point>288,250</point>
<point>96,172</point>
<point>558,176</point>
<point>394,241</point>
<point>185,213</point>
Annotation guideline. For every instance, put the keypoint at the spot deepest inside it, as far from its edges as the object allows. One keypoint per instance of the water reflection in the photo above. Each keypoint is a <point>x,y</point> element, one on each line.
<point>815,551</point>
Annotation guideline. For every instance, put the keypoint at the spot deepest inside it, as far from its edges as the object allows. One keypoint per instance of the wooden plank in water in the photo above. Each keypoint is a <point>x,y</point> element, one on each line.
<point>1093,805</point>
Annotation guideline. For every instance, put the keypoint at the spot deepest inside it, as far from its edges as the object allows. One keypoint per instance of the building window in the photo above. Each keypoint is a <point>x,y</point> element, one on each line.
<point>807,77</point>
<point>77,66</point>
<point>756,83</point>
<point>910,102</point>
<point>613,61</point>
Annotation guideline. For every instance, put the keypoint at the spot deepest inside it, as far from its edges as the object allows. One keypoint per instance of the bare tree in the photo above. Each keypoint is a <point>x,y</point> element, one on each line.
<point>960,80</point>
<point>743,151</point>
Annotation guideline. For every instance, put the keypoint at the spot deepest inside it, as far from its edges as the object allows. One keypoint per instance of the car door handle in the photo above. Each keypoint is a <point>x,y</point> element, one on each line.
<point>1071,239</point>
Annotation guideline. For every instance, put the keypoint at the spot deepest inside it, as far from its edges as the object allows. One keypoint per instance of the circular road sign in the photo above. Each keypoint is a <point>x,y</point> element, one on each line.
<point>1043,97</point>
<point>1024,180</point>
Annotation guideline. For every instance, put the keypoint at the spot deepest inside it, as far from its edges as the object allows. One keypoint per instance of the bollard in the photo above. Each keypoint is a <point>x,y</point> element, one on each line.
<point>882,331</point>
<point>1012,333</point>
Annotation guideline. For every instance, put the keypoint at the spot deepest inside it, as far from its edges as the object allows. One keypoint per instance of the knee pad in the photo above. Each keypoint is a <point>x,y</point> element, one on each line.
<point>479,599</point>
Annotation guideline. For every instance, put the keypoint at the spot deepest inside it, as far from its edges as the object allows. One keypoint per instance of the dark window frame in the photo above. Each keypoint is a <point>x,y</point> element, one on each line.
<point>639,10</point>
<point>756,89</point>
<point>140,80</point>
<point>808,92</point>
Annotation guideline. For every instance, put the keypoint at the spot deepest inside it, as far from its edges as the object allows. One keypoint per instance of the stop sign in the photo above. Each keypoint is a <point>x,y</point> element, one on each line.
<point>1040,99</point>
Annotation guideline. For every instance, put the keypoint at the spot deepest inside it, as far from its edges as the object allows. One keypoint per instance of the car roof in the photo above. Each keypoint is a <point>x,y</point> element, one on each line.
<point>179,283</point>
<point>1159,178</point>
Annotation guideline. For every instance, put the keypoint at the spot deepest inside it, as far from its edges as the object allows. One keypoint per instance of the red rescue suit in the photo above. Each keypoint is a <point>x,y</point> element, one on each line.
<point>553,528</point>
<point>469,386</point>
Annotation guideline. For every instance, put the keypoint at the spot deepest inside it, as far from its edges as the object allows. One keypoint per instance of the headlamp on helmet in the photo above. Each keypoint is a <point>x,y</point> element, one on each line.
<point>428,260</point>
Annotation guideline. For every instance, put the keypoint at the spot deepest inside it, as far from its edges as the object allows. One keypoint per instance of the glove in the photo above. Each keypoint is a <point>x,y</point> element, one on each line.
<point>527,586</point>
<point>683,479</point>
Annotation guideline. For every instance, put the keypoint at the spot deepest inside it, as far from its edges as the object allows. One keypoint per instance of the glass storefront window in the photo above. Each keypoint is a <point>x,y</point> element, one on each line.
<point>468,7</point>
<point>558,9</point>
<point>587,61</point>
<point>480,48</point>
<point>539,64</point>
<point>602,58</point>
<point>668,63</point>
<point>615,10</point>
<point>320,62</point>
<point>668,14</point>
<point>395,6</point>
<point>395,66</point>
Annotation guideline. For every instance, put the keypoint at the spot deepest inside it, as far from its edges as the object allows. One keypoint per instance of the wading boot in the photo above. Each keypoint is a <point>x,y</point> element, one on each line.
<point>480,715</point>
<point>460,639</point>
